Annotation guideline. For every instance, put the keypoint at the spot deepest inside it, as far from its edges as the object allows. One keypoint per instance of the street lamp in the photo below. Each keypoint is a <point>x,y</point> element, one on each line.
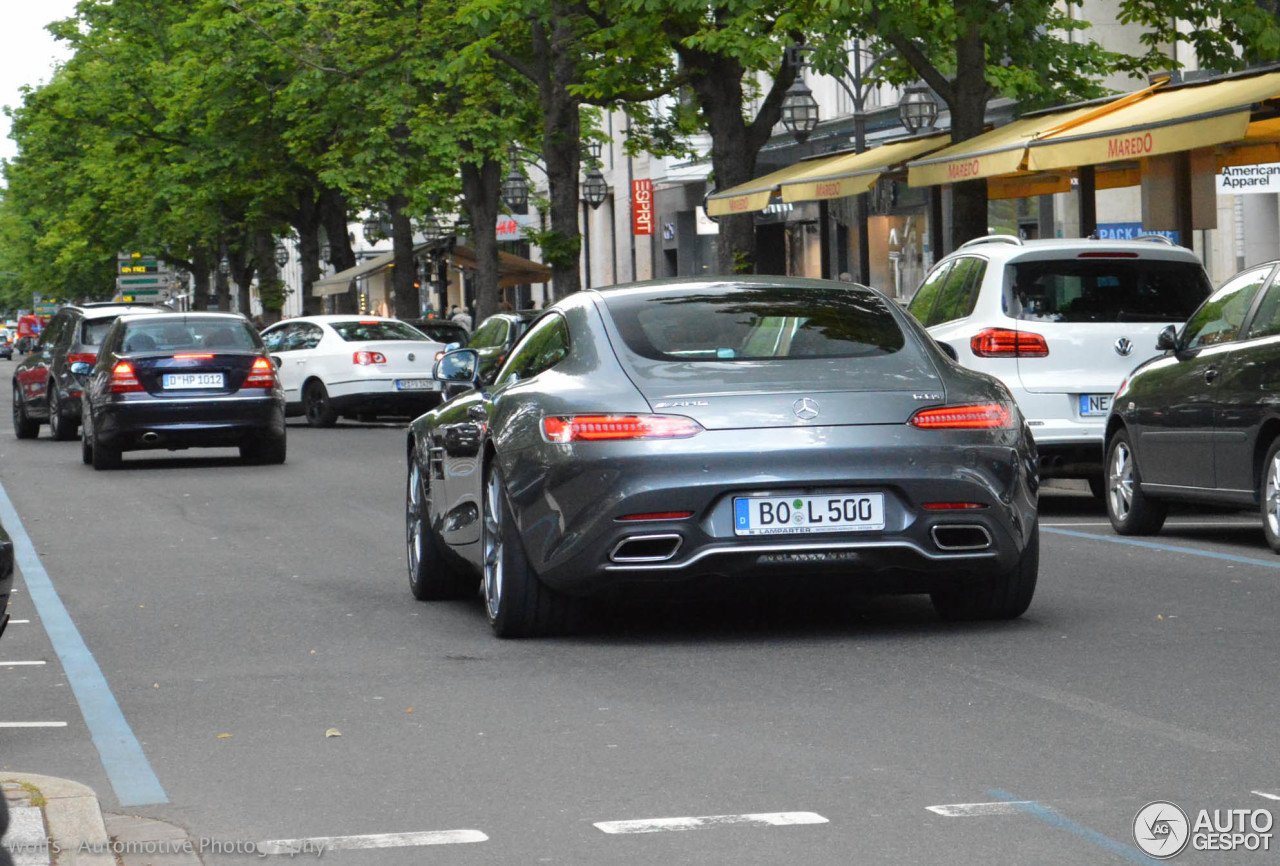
<point>799,110</point>
<point>917,109</point>
<point>515,189</point>
<point>326,251</point>
<point>595,189</point>
<point>376,226</point>
<point>224,266</point>
<point>432,229</point>
<point>282,255</point>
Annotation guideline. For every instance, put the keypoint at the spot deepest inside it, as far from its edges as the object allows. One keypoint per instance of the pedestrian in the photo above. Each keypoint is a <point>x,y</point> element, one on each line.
<point>258,322</point>
<point>461,317</point>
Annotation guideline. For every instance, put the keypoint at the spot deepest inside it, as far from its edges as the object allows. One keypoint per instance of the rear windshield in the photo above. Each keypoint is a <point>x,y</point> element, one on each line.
<point>443,333</point>
<point>365,331</point>
<point>92,331</point>
<point>189,334</point>
<point>1106,290</point>
<point>755,322</point>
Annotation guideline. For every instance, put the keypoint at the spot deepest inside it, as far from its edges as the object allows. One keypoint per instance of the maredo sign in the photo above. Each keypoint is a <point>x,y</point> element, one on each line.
<point>642,207</point>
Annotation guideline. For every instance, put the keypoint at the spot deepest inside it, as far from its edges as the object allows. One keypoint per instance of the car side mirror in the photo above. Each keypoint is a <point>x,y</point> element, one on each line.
<point>1168,339</point>
<point>451,346</point>
<point>81,368</point>
<point>461,366</point>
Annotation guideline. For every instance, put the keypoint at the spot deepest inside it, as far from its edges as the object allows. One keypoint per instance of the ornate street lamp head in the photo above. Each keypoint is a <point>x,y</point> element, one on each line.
<point>917,109</point>
<point>799,110</point>
<point>326,251</point>
<point>515,189</point>
<point>224,266</point>
<point>282,255</point>
<point>432,229</point>
<point>595,189</point>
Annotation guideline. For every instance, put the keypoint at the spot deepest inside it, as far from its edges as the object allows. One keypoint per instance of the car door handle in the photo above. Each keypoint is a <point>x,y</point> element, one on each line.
<point>1210,375</point>
<point>476,413</point>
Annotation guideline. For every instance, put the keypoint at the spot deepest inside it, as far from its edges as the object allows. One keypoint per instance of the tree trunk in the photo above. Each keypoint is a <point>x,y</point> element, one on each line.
<point>307,223</point>
<point>968,119</point>
<point>223,282</point>
<point>271,289</point>
<point>200,262</point>
<point>242,274</point>
<point>405,303</point>
<point>481,187</point>
<point>333,216</point>
<point>561,148</point>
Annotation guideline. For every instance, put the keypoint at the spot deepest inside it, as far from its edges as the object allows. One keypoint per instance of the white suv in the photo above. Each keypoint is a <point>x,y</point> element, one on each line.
<point>1061,323</point>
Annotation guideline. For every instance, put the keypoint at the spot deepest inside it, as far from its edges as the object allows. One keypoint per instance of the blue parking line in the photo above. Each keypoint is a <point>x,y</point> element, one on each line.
<point>1044,813</point>
<point>1155,545</point>
<point>131,776</point>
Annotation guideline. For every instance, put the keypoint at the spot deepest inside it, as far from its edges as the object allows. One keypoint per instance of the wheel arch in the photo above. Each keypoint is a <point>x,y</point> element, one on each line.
<point>1267,435</point>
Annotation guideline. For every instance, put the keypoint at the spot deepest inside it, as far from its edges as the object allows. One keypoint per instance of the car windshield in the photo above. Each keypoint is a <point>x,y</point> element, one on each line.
<point>369,330</point>
<point>1106,289</point>
<point>177,335</point>
<point>751,322</point>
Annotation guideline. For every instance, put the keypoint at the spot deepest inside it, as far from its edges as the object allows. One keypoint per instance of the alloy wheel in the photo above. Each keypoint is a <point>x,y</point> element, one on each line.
<point>491,541</point>
<point>413,523</point>
<point>1120,481</point>
<point>1272,496</point>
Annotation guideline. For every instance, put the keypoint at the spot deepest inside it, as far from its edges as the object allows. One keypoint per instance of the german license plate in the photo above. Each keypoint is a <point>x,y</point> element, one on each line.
<point>415,384</point>
<point>1095,404</point>
<point>801,515</point>
<point>191,380</point>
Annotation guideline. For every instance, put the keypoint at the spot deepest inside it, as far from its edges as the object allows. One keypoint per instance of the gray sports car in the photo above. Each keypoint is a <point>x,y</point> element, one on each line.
<point>743,428</point>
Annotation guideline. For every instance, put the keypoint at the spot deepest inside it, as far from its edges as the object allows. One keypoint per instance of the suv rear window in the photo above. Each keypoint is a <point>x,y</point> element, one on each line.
<point>1105,290</point>
<point>755,322</point>
<point>93,330</point>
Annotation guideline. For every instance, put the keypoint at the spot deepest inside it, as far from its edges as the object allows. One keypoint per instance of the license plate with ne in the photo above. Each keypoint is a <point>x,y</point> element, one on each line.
<point>415,384</point>
<point>192,380</point>
<point>1095,404</point>
<point>804,515</point>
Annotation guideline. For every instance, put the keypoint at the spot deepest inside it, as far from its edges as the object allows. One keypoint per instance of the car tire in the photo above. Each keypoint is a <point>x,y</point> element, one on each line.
<point>23,427</point>
<point>316,405</point>
<point>61,428</point>
<point>430,577</point>
<point>516,601</point>
<point>1006,596</point>
<point>1130,511</point>
<point>264,451</point>
<point>106,458</point>
<point>1269,494</point>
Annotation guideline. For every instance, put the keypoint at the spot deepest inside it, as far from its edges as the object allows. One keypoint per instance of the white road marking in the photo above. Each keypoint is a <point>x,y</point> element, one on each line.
<point>1169,524</point>
<point>33,724</point>
<point>19,622</point>
<point>11,664</point>
<point>1265,794</point>
<point>659,825</point>
<point>979,810</point>
<point>376,840</point>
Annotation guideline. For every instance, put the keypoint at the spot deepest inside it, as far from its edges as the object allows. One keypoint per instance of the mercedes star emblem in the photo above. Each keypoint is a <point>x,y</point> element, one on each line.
<point>806,408</point>
<point>1124,347</point>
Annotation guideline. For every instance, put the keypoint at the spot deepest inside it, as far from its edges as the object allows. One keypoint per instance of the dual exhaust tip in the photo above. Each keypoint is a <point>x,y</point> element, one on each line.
<point>960,536</point>
<point>661,547</point>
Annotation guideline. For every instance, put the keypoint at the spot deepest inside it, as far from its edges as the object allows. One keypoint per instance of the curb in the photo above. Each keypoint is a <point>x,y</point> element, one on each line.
<point>79,834</point>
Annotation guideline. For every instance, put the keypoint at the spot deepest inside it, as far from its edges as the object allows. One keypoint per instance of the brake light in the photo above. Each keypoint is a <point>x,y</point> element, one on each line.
<point>985,416</point>
<point>82,357</point>
<point>659,515</point>
<point>439,355</point>
<point>261,375</point>
<point>597,428</point>
<point>191,357</point>
<point>364,359</point>
<point>123,379</point>
<point>1004,343</point>
<point>952,506</point>
<point>1107,256</point>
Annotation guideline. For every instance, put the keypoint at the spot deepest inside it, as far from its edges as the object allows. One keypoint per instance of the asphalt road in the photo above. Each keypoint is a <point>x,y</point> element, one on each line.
<point>239,614</point>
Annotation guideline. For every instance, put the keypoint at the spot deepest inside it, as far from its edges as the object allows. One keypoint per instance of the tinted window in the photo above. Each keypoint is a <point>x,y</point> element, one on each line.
<point>1106,290</point>
<point>443,333</point>
<point>926,296</point>
<point>492,333</point>
<point>1220,318</point>
<point>50,336</point>
<point>755,322</point>
<point>367,330</point>
<point>541,349</point>
<point>92,331</point>
<point>189,334</point>
<point>959,293</point>
<point>1266,322</point>
<point>275,338</point>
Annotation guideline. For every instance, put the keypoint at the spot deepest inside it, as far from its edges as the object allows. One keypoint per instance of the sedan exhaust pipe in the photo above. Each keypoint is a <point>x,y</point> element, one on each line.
<point>151,437</point>
<point>961,537</point>
<point>646,548</point>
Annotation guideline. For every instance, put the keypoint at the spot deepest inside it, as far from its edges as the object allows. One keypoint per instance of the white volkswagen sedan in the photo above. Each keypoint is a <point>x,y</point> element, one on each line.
<point>353,366</point>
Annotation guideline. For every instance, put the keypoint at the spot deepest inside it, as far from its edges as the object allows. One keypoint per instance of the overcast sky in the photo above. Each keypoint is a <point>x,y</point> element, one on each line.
<point>27,53</point>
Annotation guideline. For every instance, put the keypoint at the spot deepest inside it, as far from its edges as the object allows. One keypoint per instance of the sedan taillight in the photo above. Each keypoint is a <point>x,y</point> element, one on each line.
<point>364,359</point>
<point>984,416</point>
<point>123,379</point>
<point>599,428</point>
<point>82,357</point>
<point>261,375</point>
<point>1005,343</point>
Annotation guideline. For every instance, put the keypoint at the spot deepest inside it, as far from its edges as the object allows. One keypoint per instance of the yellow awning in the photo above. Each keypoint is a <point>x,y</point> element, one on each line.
<point>1167,121</point>
<point>755,194</point>
<point>855,173</point>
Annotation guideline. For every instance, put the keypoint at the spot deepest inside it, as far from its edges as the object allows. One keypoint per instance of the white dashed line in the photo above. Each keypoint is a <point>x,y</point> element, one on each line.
<point>19,622</point>
<point>33,724</point>
<point>1265,794</point>
<point>978,810</point>
<point>292,847</point>
<point>660,825</point>
<point>14,664</point>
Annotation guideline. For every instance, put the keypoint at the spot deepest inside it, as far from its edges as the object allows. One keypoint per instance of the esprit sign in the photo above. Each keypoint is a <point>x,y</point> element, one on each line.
<point>642,207</point>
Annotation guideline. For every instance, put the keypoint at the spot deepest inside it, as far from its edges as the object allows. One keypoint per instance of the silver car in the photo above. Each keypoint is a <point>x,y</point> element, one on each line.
<point>754,428</point>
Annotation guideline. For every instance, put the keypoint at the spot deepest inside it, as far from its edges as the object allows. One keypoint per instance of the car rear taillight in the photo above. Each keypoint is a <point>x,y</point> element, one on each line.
<point>598,428</point>
<point>952,506</point>
<point>261,375</point>
<point>984,416</point>
<point>1004,343</point>
<point>82,357</point>
<point>364,359</point>
<point>1097,255</point>
<point>659,515</point>
<point>190,357</point>
<point>123,379</point>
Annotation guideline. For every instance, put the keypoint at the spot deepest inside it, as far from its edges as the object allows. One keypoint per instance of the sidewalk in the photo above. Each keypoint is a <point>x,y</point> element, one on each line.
<point>56,820</point>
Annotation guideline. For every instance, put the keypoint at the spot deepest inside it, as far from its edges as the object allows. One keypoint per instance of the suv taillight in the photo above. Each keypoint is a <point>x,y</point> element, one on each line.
<point>364,359</point>
<point>1004,343</point>
<point>261,375</point>
<point>123,379</point>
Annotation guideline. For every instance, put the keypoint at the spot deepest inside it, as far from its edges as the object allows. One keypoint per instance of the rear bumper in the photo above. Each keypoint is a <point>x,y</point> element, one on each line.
<point>135,425</point>
<point>390,402</point>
